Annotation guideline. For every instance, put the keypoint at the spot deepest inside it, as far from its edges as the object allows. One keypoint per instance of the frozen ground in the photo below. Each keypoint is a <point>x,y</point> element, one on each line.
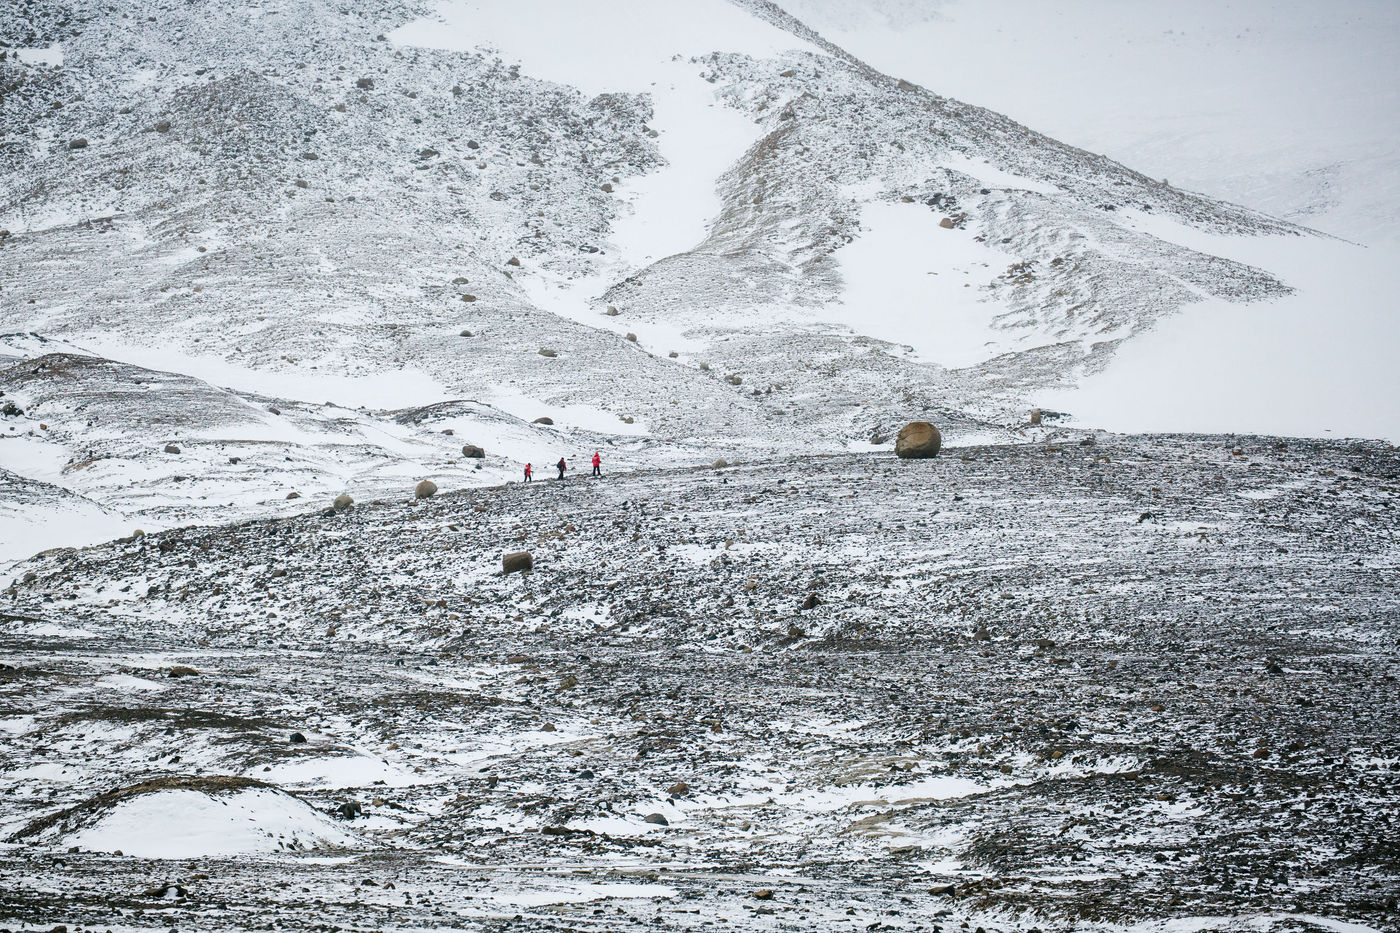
<point>1143,683</point>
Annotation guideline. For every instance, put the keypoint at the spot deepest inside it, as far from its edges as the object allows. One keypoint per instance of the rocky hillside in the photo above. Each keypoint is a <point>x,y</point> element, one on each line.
<point>1111,685</point>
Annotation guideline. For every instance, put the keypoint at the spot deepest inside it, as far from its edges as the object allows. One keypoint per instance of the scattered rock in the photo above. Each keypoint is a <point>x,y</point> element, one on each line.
<point>517,561</point>
<point>349,810</point>
<point>425,490</point>
<point>917,440</point>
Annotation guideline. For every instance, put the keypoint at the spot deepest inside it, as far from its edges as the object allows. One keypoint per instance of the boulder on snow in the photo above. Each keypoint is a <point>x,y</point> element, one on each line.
<point>543,421</point>
<point>545,351</point>
<point>631,338</point>
<point>517,561</point>
<point>473,451</point>
<point>171,449</point>
<point>425,490</point>
<point>1036,416</point>
<point>342,502</point>
<point>917,440</point>
<point>611,312</point>
<point>947,223</point>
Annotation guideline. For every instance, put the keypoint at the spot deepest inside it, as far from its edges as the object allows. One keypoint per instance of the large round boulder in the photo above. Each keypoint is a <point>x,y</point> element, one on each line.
<point>473,451</point>
<point>425,489</point>
<point>917,440</point>
<point>342,502</point>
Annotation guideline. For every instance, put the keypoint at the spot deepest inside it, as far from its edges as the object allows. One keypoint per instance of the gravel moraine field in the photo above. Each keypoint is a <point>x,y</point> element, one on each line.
<point>1091,683</point>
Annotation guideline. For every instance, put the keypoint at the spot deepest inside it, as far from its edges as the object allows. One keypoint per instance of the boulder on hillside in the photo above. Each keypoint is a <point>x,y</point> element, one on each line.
<point>543,421</point>
<point>517,561</point>
<point>947,223</point>
<point>172,449</point>
<point>342,502</point>
<point>545,351</point>
<point>425,490</point>
<point>473,451</point>
<point>917,440</point>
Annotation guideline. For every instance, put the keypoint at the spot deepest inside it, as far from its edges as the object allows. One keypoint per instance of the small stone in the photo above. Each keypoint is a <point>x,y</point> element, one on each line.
<point>512,261</point>
<point>365,84</point>
<point>678,789</point>
<point>763,894</point>
<point>163,126</point>
<point>425,490</point>
<point>293,495</point>
<point>466,333</point>
<point>172,449</point>
<point>548,727</point>
<point>517,561</point>
<point>296,738</point>
<point>720,464</point>
<point>611,312</point>
<point>631,338</point>
<point>947,223</point>
<point>673,354</point>
<point>474,452</point>
<point>607,188</point>
<point>181,670</point>
<point>349,810</point>
<point>545,351</point>
<point>811,602</point>
<point>468,299</point>
<point>568,682</point>
<point>658,819</point>
<point>78,143</point>
<point>982,634</point>
<point>543,421</point>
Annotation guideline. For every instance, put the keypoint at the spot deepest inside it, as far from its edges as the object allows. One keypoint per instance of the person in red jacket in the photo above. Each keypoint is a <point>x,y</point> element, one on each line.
<point>562,466</point>
<point>529,472</point>
<point>597,463</point>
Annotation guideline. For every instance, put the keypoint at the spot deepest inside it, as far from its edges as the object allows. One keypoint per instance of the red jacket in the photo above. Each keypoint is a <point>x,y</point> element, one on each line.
<point>597,460</point>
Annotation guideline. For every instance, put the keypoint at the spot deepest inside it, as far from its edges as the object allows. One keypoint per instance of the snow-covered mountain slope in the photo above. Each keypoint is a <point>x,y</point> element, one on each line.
<point>1287,107</point>
<point>697,230</point>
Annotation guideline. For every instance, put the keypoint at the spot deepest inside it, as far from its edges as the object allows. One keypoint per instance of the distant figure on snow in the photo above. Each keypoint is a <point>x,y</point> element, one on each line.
<point>597,463</point>
<point>562,466</point>
<point>529,472</point>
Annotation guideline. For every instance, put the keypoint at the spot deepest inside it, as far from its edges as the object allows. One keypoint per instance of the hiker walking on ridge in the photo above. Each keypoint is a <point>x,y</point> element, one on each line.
<point>597,463</point>
<point>529,472</point>
<point>562,467</point>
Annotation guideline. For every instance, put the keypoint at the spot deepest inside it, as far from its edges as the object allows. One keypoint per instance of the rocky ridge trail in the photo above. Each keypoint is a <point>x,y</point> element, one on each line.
<point>1094,682</point>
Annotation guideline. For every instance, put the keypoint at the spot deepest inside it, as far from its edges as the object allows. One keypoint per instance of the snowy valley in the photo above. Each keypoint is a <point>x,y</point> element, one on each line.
<point>1122,657</point>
